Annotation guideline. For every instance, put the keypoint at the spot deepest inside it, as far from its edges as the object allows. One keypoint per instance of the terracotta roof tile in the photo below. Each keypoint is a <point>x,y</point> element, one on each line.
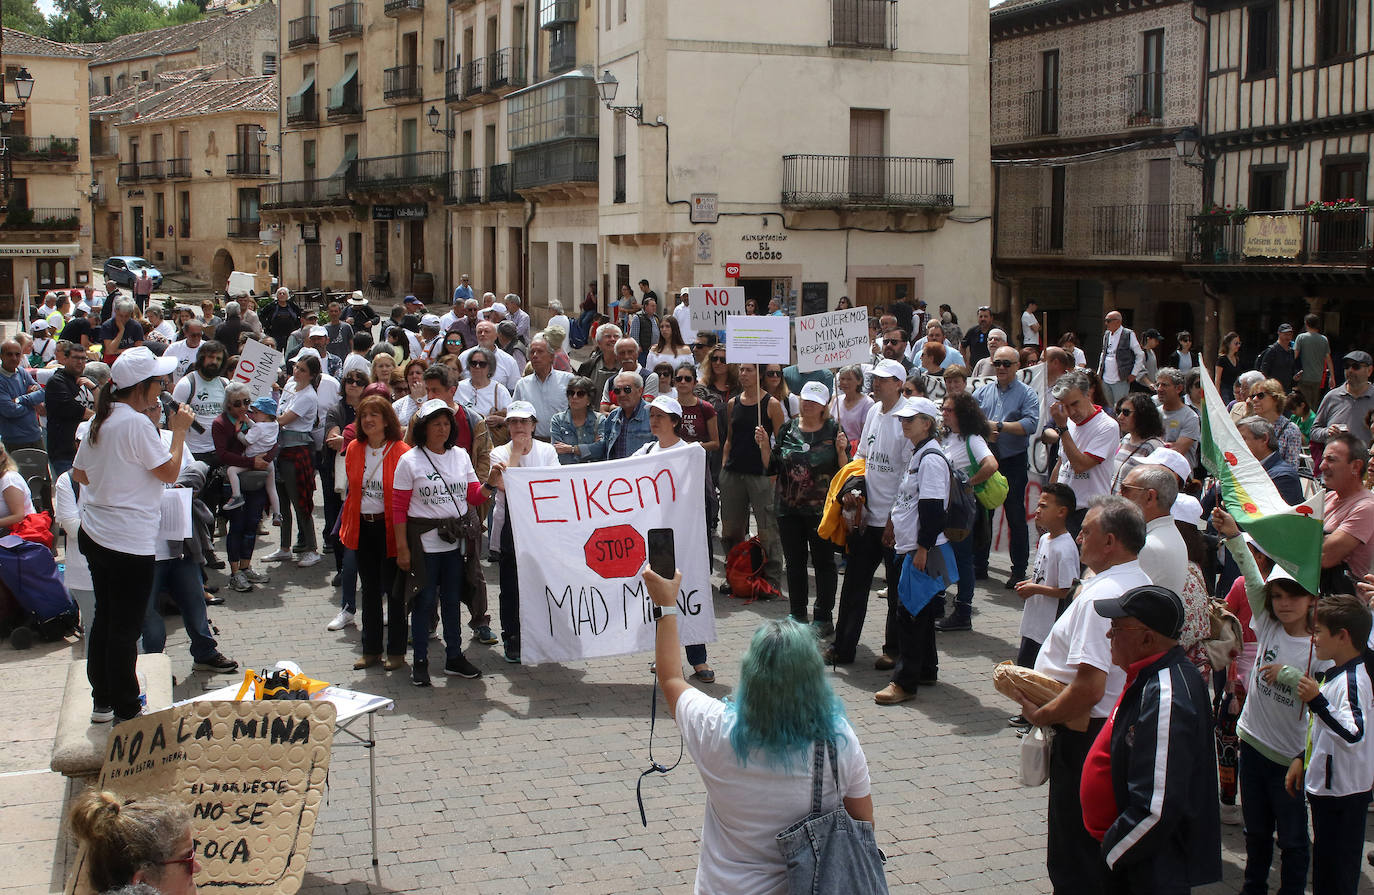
<point>165,41</point>
<point>18,43</point>
<point>195,98</point>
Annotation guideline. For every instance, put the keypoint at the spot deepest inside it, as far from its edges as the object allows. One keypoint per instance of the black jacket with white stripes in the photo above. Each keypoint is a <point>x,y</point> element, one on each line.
<point>1167,835</point>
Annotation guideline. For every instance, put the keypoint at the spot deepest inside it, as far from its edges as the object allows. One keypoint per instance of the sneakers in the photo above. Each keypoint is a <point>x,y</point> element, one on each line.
<point>512,654</point>
<point>276,519</point>
<point>233,503</point>
<point>120,719</point>
<point>218,663</point>
<point>102,714</point>
<point>342,620</point>
<point>892,695</point>
<point>484,635</point>
<point>308,559</point>
<point>419,673</point>
<point>277,556</point>
<point>1230,814</point>
<point>459,666</point>
<point>1015,579</point>
<point>239,582</point>
<point>958,620</point>
<point>255,576</point>
<point>884,663</point>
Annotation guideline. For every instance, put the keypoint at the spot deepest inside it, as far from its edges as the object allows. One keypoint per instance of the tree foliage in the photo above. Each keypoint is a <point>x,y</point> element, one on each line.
<point>23,15</point>
<point>95,21</point>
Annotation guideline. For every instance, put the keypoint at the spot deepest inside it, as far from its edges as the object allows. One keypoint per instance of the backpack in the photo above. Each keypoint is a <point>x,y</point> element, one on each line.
<point>962,511</point>
<point>744,572</point>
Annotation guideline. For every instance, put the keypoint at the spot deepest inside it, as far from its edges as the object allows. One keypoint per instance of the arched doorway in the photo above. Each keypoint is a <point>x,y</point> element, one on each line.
<point>220,268</point>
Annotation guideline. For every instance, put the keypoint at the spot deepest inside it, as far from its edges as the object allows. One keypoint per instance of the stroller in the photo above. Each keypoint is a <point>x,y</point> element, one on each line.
<point>33,600</point>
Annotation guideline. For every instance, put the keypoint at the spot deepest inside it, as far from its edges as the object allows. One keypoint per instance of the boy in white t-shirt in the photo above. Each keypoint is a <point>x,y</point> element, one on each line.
<point>259,439</point>
<point>1056,568</point>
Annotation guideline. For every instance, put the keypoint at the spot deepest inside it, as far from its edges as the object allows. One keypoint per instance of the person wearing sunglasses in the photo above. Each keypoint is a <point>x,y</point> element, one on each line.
<point>1142,432</point>
<point>776,385</point>
<point>627,356</point>
<point>753,416</point>
<point>144,844</point>
<point>720,378</point>
<point>482,394</point>
<point>574,430</point>
<point>68,400</point>
<point>626,428</point>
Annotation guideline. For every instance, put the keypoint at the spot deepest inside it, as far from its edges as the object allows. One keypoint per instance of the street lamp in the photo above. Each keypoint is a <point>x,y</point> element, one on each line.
<point>262,140</point>
<point>1187,144</point>
<point>607,87</point>
<point>432,116</point>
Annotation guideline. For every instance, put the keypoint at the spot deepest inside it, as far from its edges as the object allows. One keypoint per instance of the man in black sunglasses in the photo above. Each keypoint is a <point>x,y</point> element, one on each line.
<point>1347,406</point>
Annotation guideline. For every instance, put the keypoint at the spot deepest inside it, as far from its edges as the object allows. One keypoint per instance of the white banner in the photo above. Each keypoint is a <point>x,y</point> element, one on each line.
<point>833,339</point>
<point>758,340</point>
<point>710,305</point>
<point>580,534</point>
<point>257,367</point>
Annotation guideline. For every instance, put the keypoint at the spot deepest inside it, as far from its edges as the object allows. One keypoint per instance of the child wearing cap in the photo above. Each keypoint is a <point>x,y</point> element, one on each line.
<point>259,438</point>
<point>44,347</point>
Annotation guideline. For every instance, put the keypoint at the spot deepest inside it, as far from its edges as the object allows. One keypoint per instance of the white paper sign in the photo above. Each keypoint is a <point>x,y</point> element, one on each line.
<point>175,523</point>
<point>758,340</point>
<point>257,368</point>
<point>580,534</point>
<point>711,305</point>
<point>833,339</point>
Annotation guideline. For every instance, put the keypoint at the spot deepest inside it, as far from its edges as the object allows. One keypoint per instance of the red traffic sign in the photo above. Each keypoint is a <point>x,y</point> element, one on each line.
<point>732,269</point>
<point>615,552</point>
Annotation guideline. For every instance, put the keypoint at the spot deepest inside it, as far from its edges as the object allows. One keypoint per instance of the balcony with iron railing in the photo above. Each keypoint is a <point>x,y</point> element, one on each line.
<point>401,84</point>
<point>243,228</point>
<point>344,102</point>
<point>302,109</point>
<point>870,24</point>
<point>1145,99</point>
<point>1147,232</point>
<point>464,187</point>
<point>867,181</point>
<point>178,169</point>
<point>302,32</point>
<point>154,170</point>
<point>453,85</point>
<point>500,184</point>
<point>505,71</point>
<point>474,82</point>
<point>318,193</point>
<point>346,21</point>
<point>19,218</point>
<point>159,227</point>
<point>556,13</point>
<point>412,170</point>
<point>128,172</point>
<point>24,148</point>
<point>251,165</point>
<point>1331,235</point>
<point>184,228</point>
<point>571,160</point>
<point>1040,112</point>
<point>403,7</point>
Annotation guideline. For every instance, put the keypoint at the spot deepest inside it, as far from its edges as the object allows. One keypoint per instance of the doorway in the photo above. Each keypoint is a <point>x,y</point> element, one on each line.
<point>355,260</point>
<point>7,287</point>
<point>415,237</point>
<point>115,238</point>
<point>314,266</point>
<point>882,292</point>
<point>138,230</point>
<point>381,263</point>
<point>867,143</point>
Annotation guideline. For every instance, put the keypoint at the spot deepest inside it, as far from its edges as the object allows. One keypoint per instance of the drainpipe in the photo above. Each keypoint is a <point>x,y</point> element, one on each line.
<point>530,209</point>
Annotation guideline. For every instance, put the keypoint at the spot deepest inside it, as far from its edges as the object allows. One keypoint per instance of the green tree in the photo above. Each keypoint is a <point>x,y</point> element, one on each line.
<point>23,15</point>
<point>93,21</point>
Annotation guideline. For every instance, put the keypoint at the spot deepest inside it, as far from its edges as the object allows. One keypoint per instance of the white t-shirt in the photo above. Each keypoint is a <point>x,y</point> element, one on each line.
<point>260,438</point>
<point>1028,335</point>
<point>185,355</point>
<point>429,499</point>
<point>13,479</point>
<point>747,806</point>
<point>1273,715</point>
<point>683,314</point>
<point>541,454</point>
<point>559,320</point>
<point>957,448</point>
<point>304,403</point>
<point>1097,436</point>
<point>76,575</point>
<point>206,402</point>
<point>165,330</point>
<point>482,401</point>
<point>1079,358</point>
<point>122,505</point>
<point>374,492</point>
<point>405,407</point>
<point>506,372</point>
<point>926,478</point>
<point>886,452</point>
<point>1056,565</point>
<point>1165,555</point>
<point>1079,637</point>
<point>675,360</point>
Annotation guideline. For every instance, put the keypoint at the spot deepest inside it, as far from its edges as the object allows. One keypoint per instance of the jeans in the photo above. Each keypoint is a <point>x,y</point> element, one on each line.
<point>332,502</point>
<point>1338,842</point>
<point>917,658</point>
<point>798,535</point>
<point>866,552</point>
<point>292,501</point>
<point>1072,856</point>
<point>740,492</point>
<point>181,578</point>
<point>1016,469</point>
<point>377,572</point>
<point>1266,806</point>
<point>444,572</point>
<point>1115,391</point>
<point>348,578</point>
<point>963,560</point>
<point>243,525</point>
<point>59,466</point>
<point>121,582</point>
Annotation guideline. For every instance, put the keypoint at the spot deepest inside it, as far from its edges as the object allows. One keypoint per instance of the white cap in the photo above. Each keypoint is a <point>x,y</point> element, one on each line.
<point>1171,460</point>
<point>909,407</point>
<point>139,364</point>
<point>306,352</point>
<point>1279,573</point>
<point>520,410</point>
<point>82,306</point>
<point>431,407</point>
<point>318,332</point>
<point>890,369</point>
<point>815,392</point>
<point>37,325</point>
<point>497,308</point>
<point>668,404</point>
<point>1188,510</point>
<point>430,320</point>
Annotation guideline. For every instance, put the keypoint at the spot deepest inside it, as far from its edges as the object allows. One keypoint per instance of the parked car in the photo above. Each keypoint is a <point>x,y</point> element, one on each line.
<point>125,269</point>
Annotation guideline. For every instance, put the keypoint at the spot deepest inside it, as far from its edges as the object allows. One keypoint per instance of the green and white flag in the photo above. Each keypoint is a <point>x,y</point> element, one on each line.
<point>1291,535</point>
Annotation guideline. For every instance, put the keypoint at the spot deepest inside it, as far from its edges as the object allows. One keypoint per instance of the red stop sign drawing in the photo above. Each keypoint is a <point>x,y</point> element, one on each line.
<point>615,552</point>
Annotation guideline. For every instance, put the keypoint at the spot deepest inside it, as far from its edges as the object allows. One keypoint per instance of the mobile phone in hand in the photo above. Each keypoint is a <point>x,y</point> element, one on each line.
<point>662,554</point>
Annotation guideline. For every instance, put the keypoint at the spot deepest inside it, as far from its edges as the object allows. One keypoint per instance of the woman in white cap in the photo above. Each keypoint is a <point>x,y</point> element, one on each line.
<point>665,423</point>
<point>122,465</point>
<point>806,453</point>
<point>521,450</point>
<point>432,487</point>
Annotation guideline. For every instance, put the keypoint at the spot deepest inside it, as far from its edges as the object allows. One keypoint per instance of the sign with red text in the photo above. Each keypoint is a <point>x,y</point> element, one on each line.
<point>580,535</point>
<point>257,367</point>
<point>833,339</point>
<point>710,305</point>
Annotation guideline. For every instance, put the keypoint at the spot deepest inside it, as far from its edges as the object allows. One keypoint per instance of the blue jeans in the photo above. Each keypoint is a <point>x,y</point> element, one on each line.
<point>444,573</point>
<point>1266,805</point>
<point>243,525</point>
<point>181,578</point>
<point>963,560</point>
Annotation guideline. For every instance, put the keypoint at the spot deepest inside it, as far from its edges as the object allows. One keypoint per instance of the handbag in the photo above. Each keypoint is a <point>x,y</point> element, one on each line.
<point>832,852</point>
<point>466,526</point>
<point>1035,756</point>
<point>992,493</point>
<point>1226,637</point>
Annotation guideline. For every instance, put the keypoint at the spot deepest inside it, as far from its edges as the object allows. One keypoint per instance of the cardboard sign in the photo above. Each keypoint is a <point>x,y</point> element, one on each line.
<point>711,305</point>
<point>257,367</point>
<point>252,774</point>
<point>833,339</point>
<point>759,340</point>
<point>579,531</point>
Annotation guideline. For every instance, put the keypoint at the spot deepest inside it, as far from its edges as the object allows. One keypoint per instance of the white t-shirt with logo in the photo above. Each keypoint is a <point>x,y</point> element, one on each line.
<point>1098,436</point>
<point>1056,566</point>
<point>438,491</point>
<point>206,402</point>
<point>374,493</point>
<point>926,478</point>
<point>122,505</point>
<point>886,452</point>
<point>185,355</point>
<point>1274,719</point>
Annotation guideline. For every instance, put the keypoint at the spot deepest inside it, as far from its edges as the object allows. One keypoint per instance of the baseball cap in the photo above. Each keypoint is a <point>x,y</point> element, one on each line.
<point>497,308</point>
<point>306,352</point>
<point>434,405</point>
<point>520,410</point>
<point>1171,460</point>
<point>430,320</point>
<point>412,300</point>
<point>1158,608</point>
<point>1360,357</point>
<point>139,364</point>
<point>890,369</point>
<point>815,392</point>
<point>318,332</point>
<point>1285,327</point>
<point>1188,510</point>
<point>264,404</point>
<point>667,404</point>
<point>38,325</point>
<point>909,407</point>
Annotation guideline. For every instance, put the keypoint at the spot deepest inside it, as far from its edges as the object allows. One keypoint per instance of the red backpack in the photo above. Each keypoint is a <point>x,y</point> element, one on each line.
<point>744,572</point>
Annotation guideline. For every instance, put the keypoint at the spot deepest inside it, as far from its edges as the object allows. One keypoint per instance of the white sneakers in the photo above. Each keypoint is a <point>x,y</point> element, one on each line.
<point>308,559</point>
<point>278,556</point>
<point>341,621</point>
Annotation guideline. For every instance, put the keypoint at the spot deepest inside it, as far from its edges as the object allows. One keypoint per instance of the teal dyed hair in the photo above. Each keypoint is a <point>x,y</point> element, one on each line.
<point>783,702</point>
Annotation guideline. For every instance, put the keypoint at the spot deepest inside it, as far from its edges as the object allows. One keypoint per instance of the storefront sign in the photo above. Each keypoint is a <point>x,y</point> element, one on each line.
<point>732,269</point>
<point>767,246</point>
<point>40,250</point>
<point>408,212</point>
<point>1273,236</point>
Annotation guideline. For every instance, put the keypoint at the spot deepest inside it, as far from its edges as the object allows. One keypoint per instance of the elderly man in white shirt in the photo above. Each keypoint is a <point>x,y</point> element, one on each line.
<point>506,372</point>
<point>1165,556</point>
<point>545,388</point>
<point>516,315</point>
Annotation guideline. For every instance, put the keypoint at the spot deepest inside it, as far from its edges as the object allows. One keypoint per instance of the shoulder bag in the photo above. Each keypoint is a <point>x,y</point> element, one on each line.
<point>467,525</point>
<point>991,493</point>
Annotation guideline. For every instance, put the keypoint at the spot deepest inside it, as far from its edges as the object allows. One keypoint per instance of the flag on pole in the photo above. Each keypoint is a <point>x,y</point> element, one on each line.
<point>1291,535</point>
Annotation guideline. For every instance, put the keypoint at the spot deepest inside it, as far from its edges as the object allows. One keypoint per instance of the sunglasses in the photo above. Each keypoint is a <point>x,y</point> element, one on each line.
<point>355,382</point>
<point>189,860</point>
<point>578,393</point>
<point>700,347</point>
<point>452,342</point>
<point>1125,411</point>
<point>684,379</point>
<point>478,363</point>
<point>1003,363</point>
<point>1257,395</point>
<point>238,403</point>
<point>772,374</point>
<point>622,389</point>
<point>717,359</point>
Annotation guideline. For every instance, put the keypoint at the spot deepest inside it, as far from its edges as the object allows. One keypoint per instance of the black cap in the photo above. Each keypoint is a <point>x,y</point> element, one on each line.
<point>1158,608</point>
<point>1152,334</point>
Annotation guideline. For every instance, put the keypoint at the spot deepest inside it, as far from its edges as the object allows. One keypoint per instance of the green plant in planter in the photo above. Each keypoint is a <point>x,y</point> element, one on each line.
<point>61,148</point>
<point>21,144</point>
<point>19,217</point>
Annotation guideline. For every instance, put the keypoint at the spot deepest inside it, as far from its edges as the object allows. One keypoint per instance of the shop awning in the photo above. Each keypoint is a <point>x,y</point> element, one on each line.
<point>39,250</point>
<point>306,86</point>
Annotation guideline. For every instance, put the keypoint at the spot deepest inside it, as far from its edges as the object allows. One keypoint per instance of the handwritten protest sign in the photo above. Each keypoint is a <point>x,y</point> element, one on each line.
<point>257,367</point>
<point>758,340</point>
<point>579,531</point>
<point>251,773</point>
<point>710,305</point>
<point>833,339</point>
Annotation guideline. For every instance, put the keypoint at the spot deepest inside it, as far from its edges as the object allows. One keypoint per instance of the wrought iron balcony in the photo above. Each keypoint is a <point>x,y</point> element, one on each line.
<point>346,21</point>
<point>303,194</point>
<point>867,181</point>
<point>159,227</point>
<point>152,170</point>
<point>243,228</point>
<point>573,160</point>
<point>1141,230</point>
<point>453,85</point>
<point>302,32</point>
<point>23,148</point>
<point>254,165</point>
<point>18,217</point>
<point>1145,99</point>
<point>506,70</point>
<point>178,168</point>
<point>500,186</point>
<point>1040,112</point>
<point>1336,236</point>
<point>302,109</point>
<point>128,172</point>
<point>474,81</point>
<point>417,169</point>
<point>401,84</point>
<point>556,13</point>
<point>403,7</point>
<point>464,187</point>
<point>863,23</point>
<point>345,101</point>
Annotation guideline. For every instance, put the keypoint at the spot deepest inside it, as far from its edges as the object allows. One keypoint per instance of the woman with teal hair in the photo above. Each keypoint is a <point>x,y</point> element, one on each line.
<point>754,749</point>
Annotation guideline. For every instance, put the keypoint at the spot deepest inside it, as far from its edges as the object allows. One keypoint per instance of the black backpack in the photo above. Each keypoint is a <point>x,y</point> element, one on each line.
<point>962,511</point>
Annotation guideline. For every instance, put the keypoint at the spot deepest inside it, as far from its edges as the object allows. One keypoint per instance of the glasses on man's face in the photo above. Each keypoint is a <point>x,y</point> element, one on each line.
<point>701,346</point>
<point>622,389</point>
<point>480,364</point>
<point>1004,363</point>
<point>1353,364</point>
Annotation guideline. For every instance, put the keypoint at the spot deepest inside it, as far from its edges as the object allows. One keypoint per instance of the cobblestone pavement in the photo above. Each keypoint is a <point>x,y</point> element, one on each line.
<point>524,780</point>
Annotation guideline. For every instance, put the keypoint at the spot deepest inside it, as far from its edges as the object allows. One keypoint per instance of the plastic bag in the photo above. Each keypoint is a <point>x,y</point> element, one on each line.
<point>1035,756</point>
